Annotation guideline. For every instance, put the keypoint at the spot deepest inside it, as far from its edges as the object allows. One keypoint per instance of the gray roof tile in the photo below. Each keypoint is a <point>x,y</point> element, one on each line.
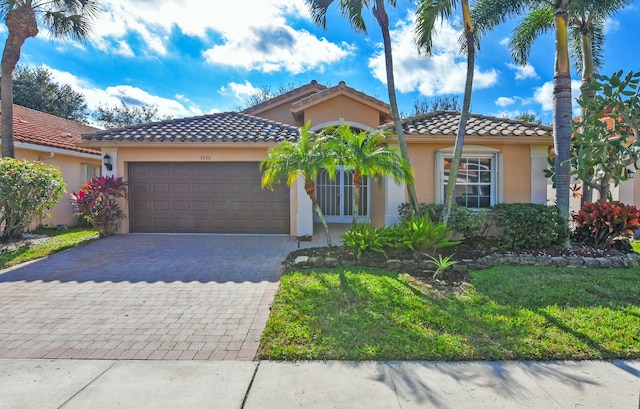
<point>219,127</point>
<point>446,123</point>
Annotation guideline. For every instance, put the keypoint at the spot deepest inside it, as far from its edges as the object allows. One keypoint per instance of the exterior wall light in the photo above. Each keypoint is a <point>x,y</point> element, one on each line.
<point>107,162</point>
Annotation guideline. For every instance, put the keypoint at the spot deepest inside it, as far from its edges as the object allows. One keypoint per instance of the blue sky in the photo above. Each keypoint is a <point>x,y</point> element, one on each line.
<point>191,61</point>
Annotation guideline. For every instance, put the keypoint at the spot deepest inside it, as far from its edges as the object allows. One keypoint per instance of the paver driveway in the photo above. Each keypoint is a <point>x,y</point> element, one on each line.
<point>144,296</point>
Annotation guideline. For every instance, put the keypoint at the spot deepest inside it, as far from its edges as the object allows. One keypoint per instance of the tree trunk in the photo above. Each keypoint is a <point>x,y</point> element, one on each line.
<point>21,22</point>
<point>562,122</point>
<point>310,188</point>
<point>588,70</point>
<point>383,20</point>
<point>464,116</point>
<point>357,182</point>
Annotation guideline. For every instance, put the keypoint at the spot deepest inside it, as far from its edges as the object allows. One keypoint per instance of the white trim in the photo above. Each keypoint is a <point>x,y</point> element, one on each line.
<point>59,151</point>
<point>338,123</point>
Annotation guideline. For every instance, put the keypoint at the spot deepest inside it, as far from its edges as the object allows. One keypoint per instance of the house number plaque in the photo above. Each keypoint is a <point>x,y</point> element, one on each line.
<point>205,157</point>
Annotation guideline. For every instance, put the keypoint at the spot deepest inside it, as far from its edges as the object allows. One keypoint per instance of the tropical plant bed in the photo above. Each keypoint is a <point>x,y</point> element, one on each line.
<point>506,312</point>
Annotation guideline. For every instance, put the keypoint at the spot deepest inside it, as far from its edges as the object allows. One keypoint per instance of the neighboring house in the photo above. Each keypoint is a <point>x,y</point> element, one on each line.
<point>54,141</point>
<point>202,174</point>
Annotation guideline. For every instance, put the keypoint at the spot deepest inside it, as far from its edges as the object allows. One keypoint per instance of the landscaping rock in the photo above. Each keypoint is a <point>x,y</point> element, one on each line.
<point>316,261</point>
<point>301,261</point>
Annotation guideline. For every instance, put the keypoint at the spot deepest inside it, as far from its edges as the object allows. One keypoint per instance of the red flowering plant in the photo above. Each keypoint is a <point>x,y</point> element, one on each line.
<point>601,222</point>
<point>97,203</point>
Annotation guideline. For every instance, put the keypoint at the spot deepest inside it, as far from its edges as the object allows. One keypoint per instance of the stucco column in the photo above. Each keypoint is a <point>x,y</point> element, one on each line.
<point>539,156</point>
<point>304,212</point>
<point>393,198</point>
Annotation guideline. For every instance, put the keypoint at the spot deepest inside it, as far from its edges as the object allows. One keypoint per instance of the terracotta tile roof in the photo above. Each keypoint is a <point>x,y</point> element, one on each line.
<point>223,127</point>
<point>446,123</point>
<point>38,128</point>
<point>302,91</point>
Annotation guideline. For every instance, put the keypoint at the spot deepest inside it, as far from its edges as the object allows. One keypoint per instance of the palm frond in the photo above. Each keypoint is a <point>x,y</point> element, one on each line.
<point>539,21</point>
<point>429,11</point>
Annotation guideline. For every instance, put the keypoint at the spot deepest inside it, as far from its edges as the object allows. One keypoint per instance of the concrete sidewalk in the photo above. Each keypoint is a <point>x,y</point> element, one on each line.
<point>96,384</point>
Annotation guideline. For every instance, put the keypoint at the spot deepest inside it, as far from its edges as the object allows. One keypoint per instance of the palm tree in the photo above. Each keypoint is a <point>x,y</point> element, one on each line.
<point>488,14</point>
<point>64,19</point>
<point>429,11</point>
<point>352,10</point>
<point>586,20</point>
<point>367,153</point>
<point>303,158</point>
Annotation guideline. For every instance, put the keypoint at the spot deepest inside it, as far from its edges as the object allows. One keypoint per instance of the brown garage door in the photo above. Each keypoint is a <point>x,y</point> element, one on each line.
<point>213,197</point>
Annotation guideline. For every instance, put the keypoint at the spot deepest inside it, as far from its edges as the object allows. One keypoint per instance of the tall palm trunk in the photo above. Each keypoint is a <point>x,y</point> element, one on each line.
<point>464,115</point>
<point>310,188</point>
<point>562,121</point>
<point>383,20</point>
<point>588,70</point>
<point>357,183</point>
<point>22,24</point>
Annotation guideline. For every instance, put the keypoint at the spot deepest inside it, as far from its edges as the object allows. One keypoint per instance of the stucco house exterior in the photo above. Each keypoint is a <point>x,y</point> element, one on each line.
<point>54,141</point>
<point>202,174</point>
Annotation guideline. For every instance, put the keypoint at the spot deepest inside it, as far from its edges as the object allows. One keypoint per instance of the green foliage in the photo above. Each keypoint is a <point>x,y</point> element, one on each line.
<point>601,222</point>
<point>441,264</point>
<point>527,225</point>
<point>27,190</point>
<point>421,234</point>
<point>463,222</point>
<point>605,146</point>
<point>364,237</point>
<point>35,88</point>
<point>117,116</point>
<point>97,203</point>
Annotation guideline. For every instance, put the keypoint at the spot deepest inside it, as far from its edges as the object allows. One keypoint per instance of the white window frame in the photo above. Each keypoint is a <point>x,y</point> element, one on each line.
<point>85,171</point>
<point>471,152</point>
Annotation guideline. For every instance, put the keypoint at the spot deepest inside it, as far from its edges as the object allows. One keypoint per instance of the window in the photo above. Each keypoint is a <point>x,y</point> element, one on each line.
<point>89,171</point>
<point>477,184</point>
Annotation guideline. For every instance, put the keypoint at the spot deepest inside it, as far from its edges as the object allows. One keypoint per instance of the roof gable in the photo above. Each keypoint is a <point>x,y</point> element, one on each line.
<point>220,127</point>
<point>287,98</point>
<point>39,128</point>
<point>445,123</point>
<point>327,94</point>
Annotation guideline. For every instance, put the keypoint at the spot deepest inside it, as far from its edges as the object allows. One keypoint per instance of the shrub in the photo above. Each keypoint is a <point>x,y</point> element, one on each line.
<point>420,233</point>
<point>363,237</point>
<point>97,203</point>
<point>27,190</point>
<point>527,225</point>
<point>601,222</point>
<point>463,222</point>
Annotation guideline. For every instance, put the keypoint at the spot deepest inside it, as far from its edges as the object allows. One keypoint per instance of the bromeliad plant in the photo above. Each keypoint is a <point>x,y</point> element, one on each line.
<point>97,203</point>
<point>422,234</point>
<point>600,223</point>
<point>364,237</point>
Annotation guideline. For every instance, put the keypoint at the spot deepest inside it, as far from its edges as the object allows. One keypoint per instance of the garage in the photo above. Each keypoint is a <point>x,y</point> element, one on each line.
<point>204,197</point>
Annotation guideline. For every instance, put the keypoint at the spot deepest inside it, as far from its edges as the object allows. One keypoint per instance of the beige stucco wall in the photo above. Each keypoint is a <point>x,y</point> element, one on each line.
<point>72,172</point>
<point>345,108</point>
<point>516,170</point>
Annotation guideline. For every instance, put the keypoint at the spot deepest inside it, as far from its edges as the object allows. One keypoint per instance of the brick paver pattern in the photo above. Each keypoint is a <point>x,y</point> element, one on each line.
<point>139,296</point>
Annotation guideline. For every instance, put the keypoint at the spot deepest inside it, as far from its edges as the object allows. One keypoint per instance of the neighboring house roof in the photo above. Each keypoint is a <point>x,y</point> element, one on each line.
<point>38,128</point>
<point>446,123</point>
<point>223,127</point>
<point>289,96</point>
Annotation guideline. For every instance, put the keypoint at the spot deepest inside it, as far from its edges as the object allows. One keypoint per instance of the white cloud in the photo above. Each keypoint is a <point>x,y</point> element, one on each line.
<point>505,41</point>
<point>523,71</point>
<point>250,36</point>
<point>442,73</point>
<point>239,91</point>
<point>505,101</point>
<point>131,95</point>
<point>611,26</point>
<point>544,96</point>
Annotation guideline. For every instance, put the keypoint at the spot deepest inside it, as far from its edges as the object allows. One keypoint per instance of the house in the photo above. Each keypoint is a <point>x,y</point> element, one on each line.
<point>54,141</point>
<point>202,174</point>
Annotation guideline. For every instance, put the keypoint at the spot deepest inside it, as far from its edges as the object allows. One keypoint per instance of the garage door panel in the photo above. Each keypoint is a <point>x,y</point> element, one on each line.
<point>205,197</point>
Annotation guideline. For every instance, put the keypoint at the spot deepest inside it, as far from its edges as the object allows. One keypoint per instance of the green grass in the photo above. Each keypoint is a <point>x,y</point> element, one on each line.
<point>510,312</point>
<point>59,240</point>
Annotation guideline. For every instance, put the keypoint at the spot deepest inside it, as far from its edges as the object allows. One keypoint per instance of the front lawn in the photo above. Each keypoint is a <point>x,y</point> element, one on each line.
<point>510,312</point>
<point>43,243</point>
